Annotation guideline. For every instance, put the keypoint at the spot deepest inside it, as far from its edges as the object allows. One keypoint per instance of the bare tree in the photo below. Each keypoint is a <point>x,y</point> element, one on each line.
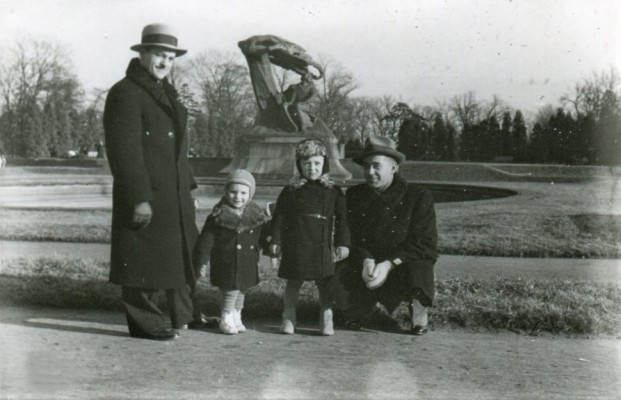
<point>333,104</point>
<point>41,98</point>
<point>226,101</point>
<point>587,96</point>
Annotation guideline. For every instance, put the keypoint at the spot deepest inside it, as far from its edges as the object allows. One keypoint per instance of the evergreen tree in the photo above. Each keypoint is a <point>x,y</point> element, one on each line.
<point>538,151</point>
<point>439,138</point>
<point>412,138</point>
<point>451,146</point>
<point>490,137</point>
<point>505,143</point>
<point>518,138</point>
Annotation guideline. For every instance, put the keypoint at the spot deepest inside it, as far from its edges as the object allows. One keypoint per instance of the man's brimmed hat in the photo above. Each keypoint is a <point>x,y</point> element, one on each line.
<point>158,35</point>
<point>379,145</point>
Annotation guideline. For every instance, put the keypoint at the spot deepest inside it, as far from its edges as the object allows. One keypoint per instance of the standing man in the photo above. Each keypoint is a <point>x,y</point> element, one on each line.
<point>394,240</point>
<point>153,222</point>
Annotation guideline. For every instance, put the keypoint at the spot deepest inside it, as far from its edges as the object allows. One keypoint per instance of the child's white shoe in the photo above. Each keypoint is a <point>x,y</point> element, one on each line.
<point>238,321</point>
<point>287,327</point>
<point>326,327</point>
<point>227,324</point>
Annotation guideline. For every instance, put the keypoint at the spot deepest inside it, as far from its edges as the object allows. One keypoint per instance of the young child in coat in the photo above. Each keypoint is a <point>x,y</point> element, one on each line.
<point>309,229</point>
<point>230,242</point>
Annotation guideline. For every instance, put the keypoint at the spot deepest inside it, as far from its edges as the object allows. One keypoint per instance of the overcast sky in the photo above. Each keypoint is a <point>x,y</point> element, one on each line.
<point>529,52</point>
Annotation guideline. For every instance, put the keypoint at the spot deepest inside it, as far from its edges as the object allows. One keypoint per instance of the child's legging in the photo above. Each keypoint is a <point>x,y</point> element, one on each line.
<point>232,299</point>
<point>292,292</point>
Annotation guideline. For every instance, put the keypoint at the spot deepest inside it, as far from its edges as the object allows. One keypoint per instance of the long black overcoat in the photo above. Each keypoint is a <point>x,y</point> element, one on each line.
<point>231,244</point>
<point>146,146</point>
<point>310,221</point>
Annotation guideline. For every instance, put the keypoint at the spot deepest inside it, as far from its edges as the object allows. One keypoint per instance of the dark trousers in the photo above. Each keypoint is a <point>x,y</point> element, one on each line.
<point>143,314</point>
<point>405,283</point>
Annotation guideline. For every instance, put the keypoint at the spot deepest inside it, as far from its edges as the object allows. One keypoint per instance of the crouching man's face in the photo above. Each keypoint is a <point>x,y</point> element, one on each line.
<point>379,171</point>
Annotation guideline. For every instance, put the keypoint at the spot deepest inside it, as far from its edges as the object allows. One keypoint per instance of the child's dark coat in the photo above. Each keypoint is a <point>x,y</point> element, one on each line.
<point>231,244</point>
<point>309,223</point>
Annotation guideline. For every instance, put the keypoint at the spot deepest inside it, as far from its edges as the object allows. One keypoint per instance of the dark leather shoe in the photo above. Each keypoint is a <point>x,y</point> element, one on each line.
<point>158,334</point>
<point>419,330</point>
<point>204,323</point>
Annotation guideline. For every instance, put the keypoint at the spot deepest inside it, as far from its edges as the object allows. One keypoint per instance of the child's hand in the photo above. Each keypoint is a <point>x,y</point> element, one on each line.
<point>341,253</point>
<point>274,249</point>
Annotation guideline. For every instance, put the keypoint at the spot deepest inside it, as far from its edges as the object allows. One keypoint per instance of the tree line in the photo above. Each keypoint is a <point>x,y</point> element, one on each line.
<point>45,112</point>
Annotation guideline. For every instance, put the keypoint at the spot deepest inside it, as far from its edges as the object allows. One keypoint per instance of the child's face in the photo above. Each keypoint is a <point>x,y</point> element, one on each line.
<point>237,195</point>
<point>312,167</point>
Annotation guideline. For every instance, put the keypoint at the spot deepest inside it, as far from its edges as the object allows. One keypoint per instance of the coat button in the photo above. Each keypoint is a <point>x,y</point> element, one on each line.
<point>170,134</point>
<point>251,247</point>
<point>239,246</point>
<point>251,231</point>
<point>147,133</point>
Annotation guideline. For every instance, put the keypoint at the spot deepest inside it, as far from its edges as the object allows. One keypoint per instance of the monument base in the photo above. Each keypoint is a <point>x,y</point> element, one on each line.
<point>271,155</point>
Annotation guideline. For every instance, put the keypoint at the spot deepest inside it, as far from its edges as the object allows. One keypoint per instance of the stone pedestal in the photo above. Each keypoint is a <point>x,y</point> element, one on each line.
<point>271,155</point>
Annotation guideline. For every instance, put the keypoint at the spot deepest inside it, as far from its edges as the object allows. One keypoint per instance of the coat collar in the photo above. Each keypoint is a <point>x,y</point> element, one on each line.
<point>298,181</point>
<point>159,91</point>
<point>163,93</point>
<point>226,217</point>
<point>394,193</point>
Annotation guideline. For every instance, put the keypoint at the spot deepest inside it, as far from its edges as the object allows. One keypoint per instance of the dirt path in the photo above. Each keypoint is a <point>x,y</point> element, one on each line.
<point>49,353</point>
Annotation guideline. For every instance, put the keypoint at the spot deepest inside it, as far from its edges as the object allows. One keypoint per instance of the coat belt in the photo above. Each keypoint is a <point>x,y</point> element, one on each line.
<point>318,216</point>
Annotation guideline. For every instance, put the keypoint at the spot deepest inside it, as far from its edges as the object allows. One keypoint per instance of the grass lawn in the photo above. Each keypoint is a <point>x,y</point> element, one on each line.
<point>547,218</point>
<point>560,307</point>
<point>581,219</point>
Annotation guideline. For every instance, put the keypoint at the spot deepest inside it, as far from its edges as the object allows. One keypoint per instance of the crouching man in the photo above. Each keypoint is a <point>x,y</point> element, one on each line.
<point>394,240</point>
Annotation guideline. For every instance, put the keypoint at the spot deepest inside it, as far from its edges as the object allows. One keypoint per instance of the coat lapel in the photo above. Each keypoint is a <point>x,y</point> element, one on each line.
<point>165,95</point>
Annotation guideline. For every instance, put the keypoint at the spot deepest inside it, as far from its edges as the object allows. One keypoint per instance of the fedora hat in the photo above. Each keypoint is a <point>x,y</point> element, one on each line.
<point>158,35</point>
<point>380,145</point>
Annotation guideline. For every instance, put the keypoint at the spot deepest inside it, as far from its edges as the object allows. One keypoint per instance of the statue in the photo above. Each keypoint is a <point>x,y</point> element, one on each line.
<point>285,117</point>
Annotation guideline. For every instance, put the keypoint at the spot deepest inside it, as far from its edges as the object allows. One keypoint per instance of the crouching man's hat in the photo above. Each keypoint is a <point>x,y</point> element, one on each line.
<point>159,35</point>
<point>379,145</point>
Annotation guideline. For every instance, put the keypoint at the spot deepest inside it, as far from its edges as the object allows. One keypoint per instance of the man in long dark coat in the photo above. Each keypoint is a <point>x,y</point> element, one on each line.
<point>394,239</point>
<point>153,222</point>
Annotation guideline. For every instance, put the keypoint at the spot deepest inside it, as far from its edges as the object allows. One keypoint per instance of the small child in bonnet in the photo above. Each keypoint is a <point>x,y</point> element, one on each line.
<point>230,241</point>
<point>310,228</point>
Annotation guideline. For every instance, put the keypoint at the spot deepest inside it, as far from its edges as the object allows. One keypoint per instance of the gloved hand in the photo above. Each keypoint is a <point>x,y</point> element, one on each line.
<point>341,253</point>
<point>368,267</point>
<point>142,215</point>
<point>380,274</point>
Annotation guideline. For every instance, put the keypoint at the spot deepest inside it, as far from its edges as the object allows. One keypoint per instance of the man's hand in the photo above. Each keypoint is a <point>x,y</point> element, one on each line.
<point>368,268</point>
<point>380,274</point>
<point>196,203</point>
<point>142,215</point>
<point>341,253</point>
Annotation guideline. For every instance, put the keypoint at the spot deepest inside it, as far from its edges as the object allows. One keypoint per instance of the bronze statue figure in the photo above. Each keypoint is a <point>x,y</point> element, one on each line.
<point>287,111</point>
<point>268,148</point>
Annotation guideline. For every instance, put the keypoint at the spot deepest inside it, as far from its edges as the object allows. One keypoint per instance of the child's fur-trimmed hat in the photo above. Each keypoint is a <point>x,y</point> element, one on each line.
<point>310,148</point>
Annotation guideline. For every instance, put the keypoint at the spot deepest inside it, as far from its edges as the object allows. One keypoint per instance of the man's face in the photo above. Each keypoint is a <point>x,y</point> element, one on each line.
<point>379,171</point>
<point>158,61</point>
<point>312,167</point>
